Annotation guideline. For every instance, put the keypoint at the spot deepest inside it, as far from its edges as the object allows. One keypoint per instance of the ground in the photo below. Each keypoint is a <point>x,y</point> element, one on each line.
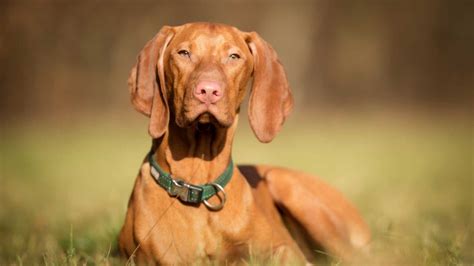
<point>65,186</point>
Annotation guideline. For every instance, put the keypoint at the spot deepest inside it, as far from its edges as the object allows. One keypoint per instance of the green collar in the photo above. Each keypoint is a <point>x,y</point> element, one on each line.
<point>188,192</point>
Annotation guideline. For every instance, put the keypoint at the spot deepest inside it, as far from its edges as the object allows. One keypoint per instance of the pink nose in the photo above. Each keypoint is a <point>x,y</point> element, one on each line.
<point>208,92</point>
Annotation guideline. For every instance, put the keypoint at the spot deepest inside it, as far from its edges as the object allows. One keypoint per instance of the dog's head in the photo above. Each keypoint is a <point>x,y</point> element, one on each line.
<point>197,73</point>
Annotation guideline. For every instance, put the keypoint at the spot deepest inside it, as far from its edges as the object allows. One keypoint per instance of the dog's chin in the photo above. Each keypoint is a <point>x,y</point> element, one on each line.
<point>193,114</point>
<point>203,123</point>
<point>205,119</point>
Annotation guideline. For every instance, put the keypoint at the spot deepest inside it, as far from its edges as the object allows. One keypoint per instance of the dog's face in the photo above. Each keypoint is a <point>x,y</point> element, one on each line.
<point>197,74</point>
<point>206,69</point>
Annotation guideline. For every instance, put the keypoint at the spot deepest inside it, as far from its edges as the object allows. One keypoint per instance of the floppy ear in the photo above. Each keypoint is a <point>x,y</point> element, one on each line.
<point>270,100</point>
<point>146,82</point>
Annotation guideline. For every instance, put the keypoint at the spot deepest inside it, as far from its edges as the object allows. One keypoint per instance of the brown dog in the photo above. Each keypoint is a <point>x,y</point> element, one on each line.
<point>190,80</point>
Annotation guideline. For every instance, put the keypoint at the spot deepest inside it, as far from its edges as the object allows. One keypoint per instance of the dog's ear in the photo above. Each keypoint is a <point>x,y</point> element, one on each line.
<point>147,82</point>
<point>270,99</point>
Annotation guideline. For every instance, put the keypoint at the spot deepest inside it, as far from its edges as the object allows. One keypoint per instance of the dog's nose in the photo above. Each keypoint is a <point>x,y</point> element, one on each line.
<point>208,92</point>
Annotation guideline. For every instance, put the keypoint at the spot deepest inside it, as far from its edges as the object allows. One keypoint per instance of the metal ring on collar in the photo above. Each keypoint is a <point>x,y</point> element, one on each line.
<point>223,199</point>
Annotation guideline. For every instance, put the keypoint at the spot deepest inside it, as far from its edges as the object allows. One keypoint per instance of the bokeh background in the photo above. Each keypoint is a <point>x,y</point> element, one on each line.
<point>383,95</point>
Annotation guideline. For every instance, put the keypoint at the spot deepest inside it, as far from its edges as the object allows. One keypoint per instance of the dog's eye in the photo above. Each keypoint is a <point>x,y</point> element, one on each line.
<point>184,52</point>
<point>234,56</point>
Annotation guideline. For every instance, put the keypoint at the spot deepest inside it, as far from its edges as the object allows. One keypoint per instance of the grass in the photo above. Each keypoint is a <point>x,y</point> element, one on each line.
<point>64,187</point>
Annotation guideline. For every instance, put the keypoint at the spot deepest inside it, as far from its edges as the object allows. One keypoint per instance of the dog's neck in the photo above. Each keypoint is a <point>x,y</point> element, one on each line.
<point>195,155</point>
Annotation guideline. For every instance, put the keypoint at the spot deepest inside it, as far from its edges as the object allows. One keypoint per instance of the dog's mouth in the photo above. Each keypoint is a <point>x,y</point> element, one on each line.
<point>206,116</point>
<point>206,122</point>
<point>192,114</point>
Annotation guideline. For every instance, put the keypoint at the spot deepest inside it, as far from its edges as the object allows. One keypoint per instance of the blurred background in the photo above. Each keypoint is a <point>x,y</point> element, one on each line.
<point>383,94</point>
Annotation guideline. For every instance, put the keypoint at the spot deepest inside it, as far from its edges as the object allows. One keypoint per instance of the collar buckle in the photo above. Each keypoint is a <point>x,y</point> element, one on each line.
<point>185,192</point>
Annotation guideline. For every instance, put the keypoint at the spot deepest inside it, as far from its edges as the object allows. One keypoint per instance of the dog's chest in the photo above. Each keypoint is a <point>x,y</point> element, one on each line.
<point>182,234</point>
<point>189,235</point>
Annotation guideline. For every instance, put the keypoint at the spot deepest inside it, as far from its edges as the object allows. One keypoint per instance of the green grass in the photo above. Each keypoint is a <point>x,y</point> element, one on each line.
<point>64,187</point>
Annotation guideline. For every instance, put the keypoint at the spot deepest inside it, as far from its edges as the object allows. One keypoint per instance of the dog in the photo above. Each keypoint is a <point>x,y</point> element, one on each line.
<point>190,203</point>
